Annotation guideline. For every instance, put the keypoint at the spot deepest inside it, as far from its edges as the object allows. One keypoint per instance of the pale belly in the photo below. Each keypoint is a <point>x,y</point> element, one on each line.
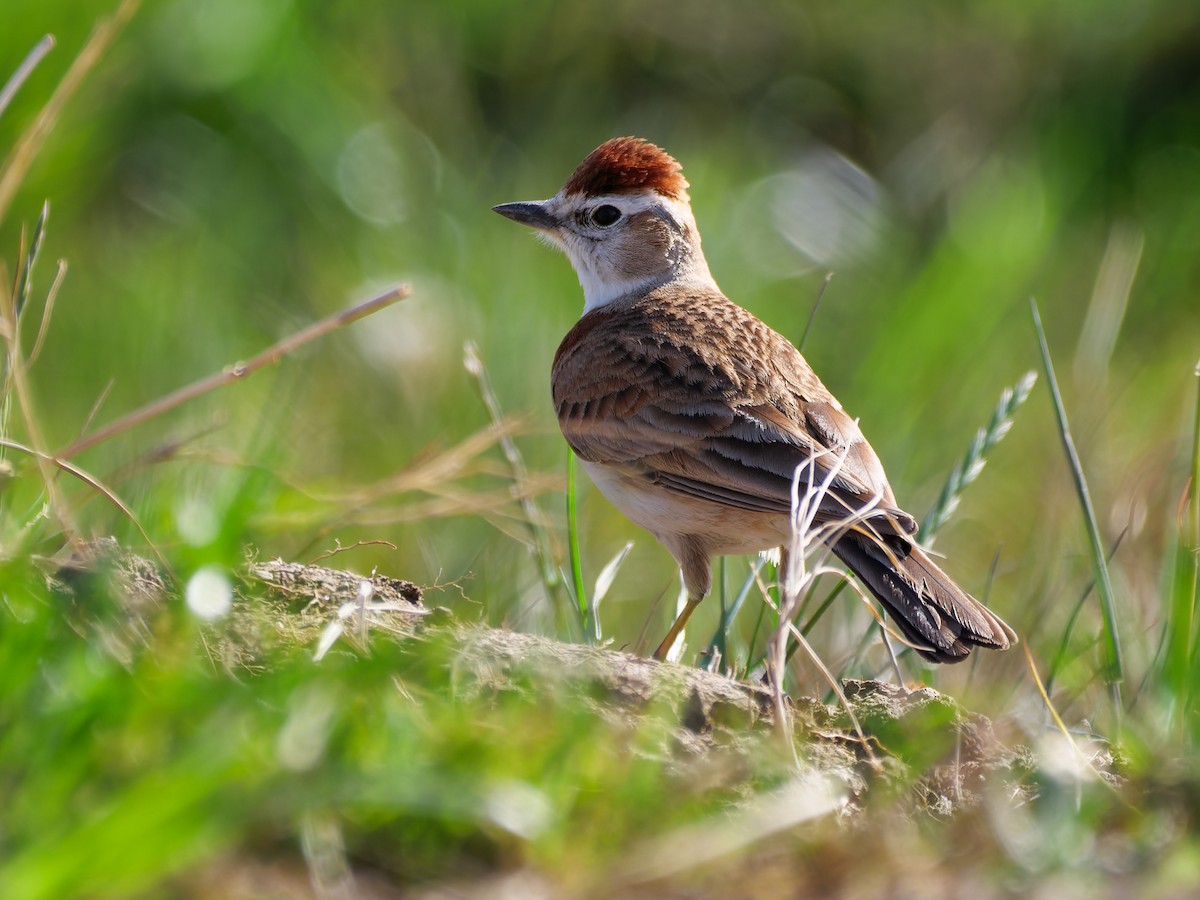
<point>722,529</point>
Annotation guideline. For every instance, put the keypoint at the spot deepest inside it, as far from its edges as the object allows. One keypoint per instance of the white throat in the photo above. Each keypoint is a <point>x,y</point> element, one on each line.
<point>598,293</point>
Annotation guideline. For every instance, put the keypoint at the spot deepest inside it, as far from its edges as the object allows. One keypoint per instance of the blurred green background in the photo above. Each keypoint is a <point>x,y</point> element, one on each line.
<point>234,170</point>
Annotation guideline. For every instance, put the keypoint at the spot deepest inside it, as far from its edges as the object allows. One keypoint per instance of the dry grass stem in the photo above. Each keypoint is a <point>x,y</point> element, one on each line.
<point>96,484</point>
<point>1060,725</point>
<point>448,500</point>
<point>47,312</point>
<point>813,312</point>
<point>435,474</point>
<point>20,386</point>
<point>96,406</point>
<point>542,542</point>
<point>338,548</point>
<point>796,578</point>
<point>12,173</point>
<point>436,469</point>
<point>237,371</point>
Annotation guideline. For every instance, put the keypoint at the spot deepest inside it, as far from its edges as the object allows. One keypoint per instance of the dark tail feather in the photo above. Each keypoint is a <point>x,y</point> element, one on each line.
<point>940,619</point>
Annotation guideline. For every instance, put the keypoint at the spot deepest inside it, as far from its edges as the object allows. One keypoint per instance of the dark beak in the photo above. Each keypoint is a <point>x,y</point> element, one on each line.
<point>530,213</point>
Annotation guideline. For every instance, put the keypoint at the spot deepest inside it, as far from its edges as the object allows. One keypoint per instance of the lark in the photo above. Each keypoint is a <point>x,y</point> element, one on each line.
<point>693,417</point>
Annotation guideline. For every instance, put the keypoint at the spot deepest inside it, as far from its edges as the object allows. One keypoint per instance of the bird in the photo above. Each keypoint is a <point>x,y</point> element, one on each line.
<point>692,416</point>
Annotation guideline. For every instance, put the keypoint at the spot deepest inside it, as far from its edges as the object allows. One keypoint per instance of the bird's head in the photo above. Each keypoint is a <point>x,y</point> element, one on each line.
<point>623,219</point>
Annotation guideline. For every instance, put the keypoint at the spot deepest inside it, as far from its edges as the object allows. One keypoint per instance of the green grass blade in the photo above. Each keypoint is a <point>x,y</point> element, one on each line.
<point>973,462</point>
<point>1195,502</point>
<point>1114,669</point>
<point>540,543</point>
<point>825,604</point>
<point>25,276</point>
<point>1061,656</point>
<point>729,614</point>
<point>591,628</point>
<point>1180,664</point>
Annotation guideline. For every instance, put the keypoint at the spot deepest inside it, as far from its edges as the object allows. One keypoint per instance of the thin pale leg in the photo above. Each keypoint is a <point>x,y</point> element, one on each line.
<point>689,551</point>
<point>665,647</point>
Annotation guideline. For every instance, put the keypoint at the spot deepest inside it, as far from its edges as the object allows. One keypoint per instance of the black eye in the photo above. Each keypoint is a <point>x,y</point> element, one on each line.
<point>605,215</point>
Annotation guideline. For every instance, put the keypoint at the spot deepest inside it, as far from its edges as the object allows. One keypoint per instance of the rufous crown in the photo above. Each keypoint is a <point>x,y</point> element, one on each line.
<point>626,164</point>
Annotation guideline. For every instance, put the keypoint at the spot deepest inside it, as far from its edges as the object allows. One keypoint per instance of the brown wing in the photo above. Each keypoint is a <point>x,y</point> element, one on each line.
<point>697,395</point>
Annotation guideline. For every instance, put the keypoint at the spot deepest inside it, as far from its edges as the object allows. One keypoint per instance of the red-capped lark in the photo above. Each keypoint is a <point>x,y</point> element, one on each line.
<point>692,416</point>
